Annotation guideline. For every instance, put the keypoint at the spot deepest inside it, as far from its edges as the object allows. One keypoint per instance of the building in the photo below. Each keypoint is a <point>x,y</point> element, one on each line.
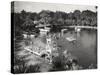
<point>44,31</point>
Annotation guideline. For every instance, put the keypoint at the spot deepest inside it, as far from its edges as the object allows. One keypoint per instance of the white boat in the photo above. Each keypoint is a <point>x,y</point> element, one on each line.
<point>70,39</point>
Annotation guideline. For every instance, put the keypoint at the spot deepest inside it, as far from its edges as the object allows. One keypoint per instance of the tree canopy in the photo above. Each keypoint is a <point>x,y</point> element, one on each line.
<point>30,19</point>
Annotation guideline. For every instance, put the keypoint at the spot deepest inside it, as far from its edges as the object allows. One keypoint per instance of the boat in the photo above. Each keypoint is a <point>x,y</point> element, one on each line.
<point>70,39</point>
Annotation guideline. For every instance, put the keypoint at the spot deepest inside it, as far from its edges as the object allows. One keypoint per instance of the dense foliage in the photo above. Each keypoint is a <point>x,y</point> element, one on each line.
<point>29,20</point>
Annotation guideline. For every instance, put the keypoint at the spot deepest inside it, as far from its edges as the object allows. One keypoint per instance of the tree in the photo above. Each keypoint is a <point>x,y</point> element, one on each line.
<point>77,16</point>
<point>45,17</point>
<point>28,24</point>
<point>89,17</point>
<point>34,16</point>
<point>23,15</point>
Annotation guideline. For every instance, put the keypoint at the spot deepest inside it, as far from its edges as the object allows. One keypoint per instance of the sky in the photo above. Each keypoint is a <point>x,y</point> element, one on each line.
<point>37,7</point>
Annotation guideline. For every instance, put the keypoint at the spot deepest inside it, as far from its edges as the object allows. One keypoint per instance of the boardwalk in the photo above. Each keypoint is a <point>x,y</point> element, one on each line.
<point>71,26</point>
<point>86,27</point>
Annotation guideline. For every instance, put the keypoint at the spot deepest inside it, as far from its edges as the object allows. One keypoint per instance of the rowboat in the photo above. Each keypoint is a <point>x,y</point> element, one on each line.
<point>70,39</point>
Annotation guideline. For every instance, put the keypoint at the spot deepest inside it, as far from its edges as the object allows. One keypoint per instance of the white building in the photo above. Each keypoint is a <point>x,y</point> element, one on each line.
<point>44,31</point>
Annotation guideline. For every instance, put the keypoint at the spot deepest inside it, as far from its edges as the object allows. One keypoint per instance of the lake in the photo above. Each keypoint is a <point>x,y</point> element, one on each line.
<point>84,48</point>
